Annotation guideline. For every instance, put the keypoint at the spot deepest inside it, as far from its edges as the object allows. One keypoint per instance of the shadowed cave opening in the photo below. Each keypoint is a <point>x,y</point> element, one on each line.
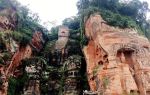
<point>126,56</point>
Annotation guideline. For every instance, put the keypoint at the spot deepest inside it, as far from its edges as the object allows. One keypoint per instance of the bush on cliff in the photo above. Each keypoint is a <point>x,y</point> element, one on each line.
<point>119,13</point>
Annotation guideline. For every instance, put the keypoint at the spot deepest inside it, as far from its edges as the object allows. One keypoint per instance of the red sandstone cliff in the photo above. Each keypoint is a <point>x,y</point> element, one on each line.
<point>19,55</point>
<point>8,21</point>
<point>117,59</point>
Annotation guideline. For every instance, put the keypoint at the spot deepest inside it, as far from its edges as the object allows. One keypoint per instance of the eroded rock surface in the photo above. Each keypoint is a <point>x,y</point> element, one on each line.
<point>117,59</point>
<point>65,77</point>
<point>8,19</point>
<point>72,75</point>
<point>7,45</point>
<point>37,41</point>
<point>61,43</point>
<point>21,53</point>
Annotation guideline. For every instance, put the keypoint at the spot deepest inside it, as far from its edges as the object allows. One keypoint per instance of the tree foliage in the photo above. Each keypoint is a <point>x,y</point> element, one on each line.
<point>72,23</point>
<point>119,13</point>
<point>26,24</point>
<point>116,12</point>
<point>133,8</point>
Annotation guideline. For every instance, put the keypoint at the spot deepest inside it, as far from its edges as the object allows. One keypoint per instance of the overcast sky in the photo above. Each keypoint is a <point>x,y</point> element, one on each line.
<point>53,10</point>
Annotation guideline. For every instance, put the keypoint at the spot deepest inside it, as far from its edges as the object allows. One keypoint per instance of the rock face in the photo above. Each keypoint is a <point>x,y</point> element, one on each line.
<point>33,70</point>
<point>117,59</point>
<point>17,57</point>
<point>25,52</point>
<point>21,54</point>
<point>7,23</point>
<point>65,77</point>
<point>8,19</point>
<point>33,88</point>
<point>37,41</point>
<point>72,75</point>
<point>60,45</point>
<point>57,58</point>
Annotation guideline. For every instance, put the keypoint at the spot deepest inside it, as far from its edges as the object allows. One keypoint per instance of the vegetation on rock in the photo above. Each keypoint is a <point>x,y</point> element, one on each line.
<point>114,12</point>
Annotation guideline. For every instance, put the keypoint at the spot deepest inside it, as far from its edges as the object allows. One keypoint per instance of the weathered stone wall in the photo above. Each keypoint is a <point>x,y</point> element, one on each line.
<point>117,59</point>
<point>7,23</point>
<point>61,43</point>
<point>37,40</point>
<point>8,19</point>
<point>72,75</point>
<point>20,54</point>
<point>65,79</point>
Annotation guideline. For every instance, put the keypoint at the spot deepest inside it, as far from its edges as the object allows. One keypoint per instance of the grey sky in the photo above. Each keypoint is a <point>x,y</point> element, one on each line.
<point>53,12</point>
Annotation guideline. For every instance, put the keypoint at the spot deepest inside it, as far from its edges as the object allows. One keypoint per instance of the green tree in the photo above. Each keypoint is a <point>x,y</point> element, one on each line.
<point>72,23</point>
<point>130,14</point>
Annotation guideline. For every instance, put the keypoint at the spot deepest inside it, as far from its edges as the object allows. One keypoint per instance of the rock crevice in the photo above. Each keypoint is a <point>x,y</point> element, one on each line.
<point>117,59</point>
